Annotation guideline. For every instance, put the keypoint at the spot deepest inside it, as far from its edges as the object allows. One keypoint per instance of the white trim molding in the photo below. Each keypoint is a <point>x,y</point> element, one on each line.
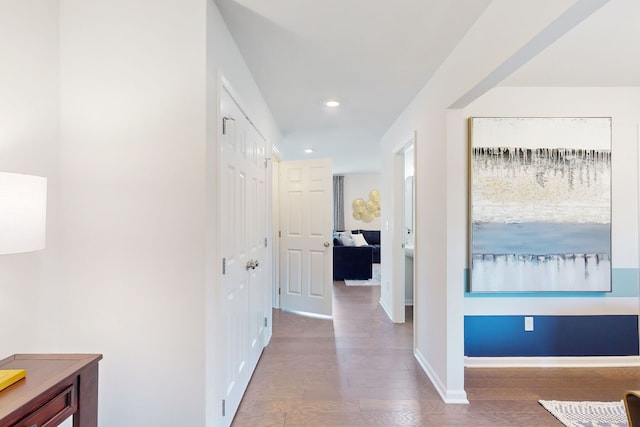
<point>551,362</point>
<point>386,309</point>
<point>448,396</point>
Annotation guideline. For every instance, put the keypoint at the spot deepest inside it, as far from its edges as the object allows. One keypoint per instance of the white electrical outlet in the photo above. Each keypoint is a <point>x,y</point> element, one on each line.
<point>528,323</point>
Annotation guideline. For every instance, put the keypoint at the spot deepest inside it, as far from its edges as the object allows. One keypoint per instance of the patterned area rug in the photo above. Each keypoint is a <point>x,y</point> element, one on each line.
<point>374,281</point>
<point>587,414</point>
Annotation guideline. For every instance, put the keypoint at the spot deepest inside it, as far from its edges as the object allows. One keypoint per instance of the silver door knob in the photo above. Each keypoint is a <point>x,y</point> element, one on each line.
<point>251,264</point>
<point>326,244</point>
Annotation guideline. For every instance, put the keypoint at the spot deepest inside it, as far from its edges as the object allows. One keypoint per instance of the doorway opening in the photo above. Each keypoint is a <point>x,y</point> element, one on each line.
<point>403,231</point>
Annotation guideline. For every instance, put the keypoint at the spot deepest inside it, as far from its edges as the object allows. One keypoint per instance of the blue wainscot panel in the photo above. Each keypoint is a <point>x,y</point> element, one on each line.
<point>504,336</point>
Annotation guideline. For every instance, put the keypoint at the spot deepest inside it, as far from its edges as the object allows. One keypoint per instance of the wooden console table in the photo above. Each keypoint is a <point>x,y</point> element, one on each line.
<point>56,387</point>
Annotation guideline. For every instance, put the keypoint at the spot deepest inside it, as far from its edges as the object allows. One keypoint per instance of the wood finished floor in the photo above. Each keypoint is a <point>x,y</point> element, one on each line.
<point>358,370</point>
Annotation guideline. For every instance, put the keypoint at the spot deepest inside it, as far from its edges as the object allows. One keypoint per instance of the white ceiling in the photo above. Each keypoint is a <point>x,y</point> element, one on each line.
<point>372,55</point>
<point>375,55</point>
<point>603,50</point>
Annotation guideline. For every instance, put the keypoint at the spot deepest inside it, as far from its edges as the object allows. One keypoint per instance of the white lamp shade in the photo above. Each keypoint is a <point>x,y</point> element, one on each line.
<point>23,213</point>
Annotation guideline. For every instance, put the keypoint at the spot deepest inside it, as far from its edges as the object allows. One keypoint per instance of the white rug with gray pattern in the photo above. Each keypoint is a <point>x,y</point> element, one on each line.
<point>587,414</point>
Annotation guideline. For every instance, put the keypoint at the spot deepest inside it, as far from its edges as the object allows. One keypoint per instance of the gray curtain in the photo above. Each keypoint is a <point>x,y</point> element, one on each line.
<point>338,202</point>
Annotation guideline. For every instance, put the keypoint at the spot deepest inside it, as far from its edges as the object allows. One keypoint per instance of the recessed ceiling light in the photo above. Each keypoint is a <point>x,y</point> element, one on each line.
<point>308,150</point>
<point>332,103</point>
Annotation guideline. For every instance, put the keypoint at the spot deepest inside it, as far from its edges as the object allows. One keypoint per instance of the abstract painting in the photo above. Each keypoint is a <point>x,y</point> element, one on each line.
<point>540,204</point>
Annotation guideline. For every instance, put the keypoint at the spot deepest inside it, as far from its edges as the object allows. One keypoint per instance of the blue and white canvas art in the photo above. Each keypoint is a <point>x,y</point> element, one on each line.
<point>540,204</point>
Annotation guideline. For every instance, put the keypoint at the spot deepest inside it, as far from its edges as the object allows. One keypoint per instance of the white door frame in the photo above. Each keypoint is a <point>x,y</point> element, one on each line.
<point>275,224</point>
<point>398,232</point>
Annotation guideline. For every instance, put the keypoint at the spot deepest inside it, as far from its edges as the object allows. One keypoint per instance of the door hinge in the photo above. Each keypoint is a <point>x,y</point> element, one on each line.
<point>223,408</point>
<point>265,322</point>
<point>224,124</point>
<point>280,233</point>
<point>279,291</point>
<point>266,162</point>
<point>224,266</point>
<point>265,242</point>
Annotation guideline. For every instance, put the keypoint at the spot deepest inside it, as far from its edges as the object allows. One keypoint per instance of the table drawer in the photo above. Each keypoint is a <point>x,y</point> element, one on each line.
<point>53,411</point>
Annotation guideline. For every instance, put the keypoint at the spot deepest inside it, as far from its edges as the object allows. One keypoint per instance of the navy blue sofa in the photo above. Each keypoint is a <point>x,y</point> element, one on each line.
<point>355,262</point>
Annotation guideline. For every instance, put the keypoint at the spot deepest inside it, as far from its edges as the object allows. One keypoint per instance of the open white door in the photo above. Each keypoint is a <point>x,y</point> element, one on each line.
<point>306,252</point>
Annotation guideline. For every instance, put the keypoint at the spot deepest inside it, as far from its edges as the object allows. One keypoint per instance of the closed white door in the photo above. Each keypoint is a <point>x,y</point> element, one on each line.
<point>242,245</point>
<point>256,243</point>
<point>306,250</point>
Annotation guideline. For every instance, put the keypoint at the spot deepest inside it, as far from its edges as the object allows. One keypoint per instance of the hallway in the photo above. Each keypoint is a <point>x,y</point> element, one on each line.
<point>359,371</point>
<point>356,370</point>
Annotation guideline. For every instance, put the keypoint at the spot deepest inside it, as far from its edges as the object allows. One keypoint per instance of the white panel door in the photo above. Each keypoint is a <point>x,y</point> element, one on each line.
<point>242,245</point>
<point>256,243</point>
<point>306,252</point>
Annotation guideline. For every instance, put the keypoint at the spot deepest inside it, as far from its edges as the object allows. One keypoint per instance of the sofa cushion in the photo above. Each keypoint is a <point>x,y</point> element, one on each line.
<point>371,236</point>
<point>339,234</point>
<point>376,253</point>
<point>346,240</point>
<point>359,240</point>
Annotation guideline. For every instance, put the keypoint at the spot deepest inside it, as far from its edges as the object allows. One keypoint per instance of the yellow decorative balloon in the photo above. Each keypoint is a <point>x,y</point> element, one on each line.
<point>359,205</point>
<point>367,210</point>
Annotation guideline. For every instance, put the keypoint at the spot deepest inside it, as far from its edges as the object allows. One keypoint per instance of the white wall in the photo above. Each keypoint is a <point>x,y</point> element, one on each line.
<point>116,103</point>
<point>29,110</point>
<point>133,203</point>
<point>623,105</point>
<point>441,241</point>
<point>359,186</point>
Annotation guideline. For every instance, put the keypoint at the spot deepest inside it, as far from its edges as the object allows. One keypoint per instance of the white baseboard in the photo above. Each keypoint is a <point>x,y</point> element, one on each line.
<point>448,396</point>
<point>267,338</point>
<point>551,362</point>
<point>386,309</point>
